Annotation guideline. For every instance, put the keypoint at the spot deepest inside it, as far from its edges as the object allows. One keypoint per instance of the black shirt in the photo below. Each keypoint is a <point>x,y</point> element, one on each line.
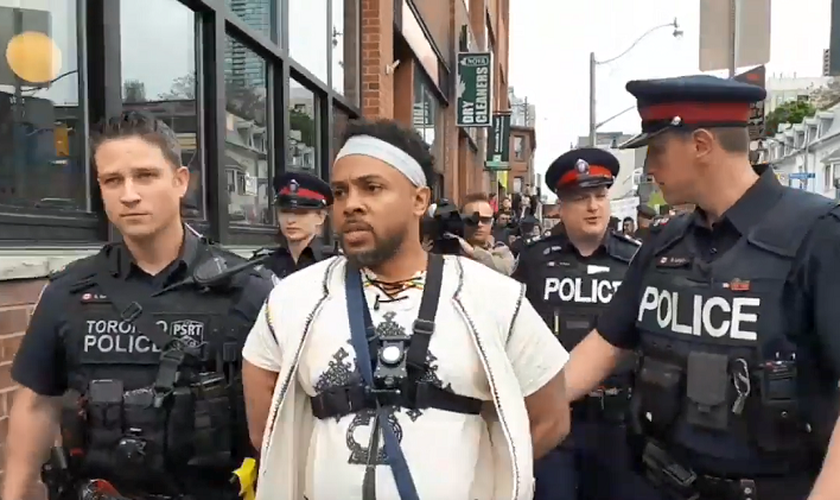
<point>40,362</point>
<point>812,288</point>
<point>282,263</point>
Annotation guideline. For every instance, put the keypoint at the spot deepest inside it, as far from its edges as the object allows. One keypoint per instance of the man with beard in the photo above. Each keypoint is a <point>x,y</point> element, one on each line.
<point>391,373</point>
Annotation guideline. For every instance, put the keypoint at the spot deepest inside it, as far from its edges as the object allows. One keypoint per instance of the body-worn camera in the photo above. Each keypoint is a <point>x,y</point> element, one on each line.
<point>391,368</point>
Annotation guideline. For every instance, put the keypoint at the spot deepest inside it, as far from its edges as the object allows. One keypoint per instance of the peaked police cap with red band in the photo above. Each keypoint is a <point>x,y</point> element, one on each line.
<point>302,190</point>
<point>691,102</point>
<point>582,168</point>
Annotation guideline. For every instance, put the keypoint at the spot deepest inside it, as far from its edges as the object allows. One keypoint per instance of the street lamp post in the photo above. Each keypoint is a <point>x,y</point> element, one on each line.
<point>593,63</point>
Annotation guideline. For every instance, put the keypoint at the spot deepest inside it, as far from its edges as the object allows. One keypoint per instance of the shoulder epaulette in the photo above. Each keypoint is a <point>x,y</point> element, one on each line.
<point>627,239</point>
<point>78,270</point>
<point>262,252</point>
<point>658,223</point>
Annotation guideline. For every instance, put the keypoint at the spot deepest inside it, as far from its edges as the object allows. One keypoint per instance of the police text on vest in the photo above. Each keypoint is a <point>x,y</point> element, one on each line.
<point>576,290</point>
<point>115,336</point>
<point>738,322</point>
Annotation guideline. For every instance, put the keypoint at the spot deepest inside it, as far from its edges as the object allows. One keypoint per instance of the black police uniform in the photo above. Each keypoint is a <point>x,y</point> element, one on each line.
<point>570,291</point>
<point>644,211</point>
<point>152,365</point>
<point>736,324</point>
<point>299,191</point>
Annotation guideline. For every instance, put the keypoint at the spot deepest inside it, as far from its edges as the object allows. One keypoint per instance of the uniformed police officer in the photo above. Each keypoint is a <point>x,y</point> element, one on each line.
<point>570,279</point>
<point>145,335</point>
<point>644,216</point>
<point>733,306</point>
<point>302,201</point>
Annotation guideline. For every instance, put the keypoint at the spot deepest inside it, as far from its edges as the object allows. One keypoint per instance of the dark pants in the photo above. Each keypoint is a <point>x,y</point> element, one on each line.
<point>594,463</point>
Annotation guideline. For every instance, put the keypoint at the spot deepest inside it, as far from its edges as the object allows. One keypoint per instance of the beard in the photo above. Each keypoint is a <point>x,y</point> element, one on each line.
<point>384,249</point>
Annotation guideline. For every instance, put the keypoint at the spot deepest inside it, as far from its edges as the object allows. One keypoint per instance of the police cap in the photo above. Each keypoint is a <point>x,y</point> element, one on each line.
<point>691,102</point>
<point>582,168</point>
<point>646,212</point>
<point>302,190</point>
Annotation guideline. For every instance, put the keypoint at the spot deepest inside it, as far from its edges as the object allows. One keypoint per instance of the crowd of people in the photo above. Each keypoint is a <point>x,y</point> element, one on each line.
<point>692,358</point>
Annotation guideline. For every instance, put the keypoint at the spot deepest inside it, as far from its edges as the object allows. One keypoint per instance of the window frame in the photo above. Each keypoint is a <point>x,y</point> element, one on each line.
<point>100,75</point>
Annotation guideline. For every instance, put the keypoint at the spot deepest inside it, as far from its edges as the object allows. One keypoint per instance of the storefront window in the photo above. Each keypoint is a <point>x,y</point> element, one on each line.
<point>345,48</point>
<point>303,129</point>
<point>166,91</point>
<point>246,142</point>
<point>42,135</point>
<point>308,38</point>
<point>258,14</point>
<point>426,111</point>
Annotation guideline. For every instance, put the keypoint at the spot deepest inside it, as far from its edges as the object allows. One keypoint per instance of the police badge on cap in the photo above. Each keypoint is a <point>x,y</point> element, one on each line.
<point>582,166</point>
<point>294,186</point>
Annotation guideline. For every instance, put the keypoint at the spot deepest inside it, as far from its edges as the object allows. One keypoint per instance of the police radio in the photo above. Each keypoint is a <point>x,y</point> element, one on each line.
<point>391,368</point>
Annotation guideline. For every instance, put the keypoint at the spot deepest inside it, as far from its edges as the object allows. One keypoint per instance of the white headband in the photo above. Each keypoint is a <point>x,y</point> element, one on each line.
<point>367,145</point>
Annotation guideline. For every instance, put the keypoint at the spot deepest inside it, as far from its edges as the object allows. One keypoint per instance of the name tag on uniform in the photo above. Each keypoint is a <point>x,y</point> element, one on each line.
<point>673,262</point>
<point>94,298</point>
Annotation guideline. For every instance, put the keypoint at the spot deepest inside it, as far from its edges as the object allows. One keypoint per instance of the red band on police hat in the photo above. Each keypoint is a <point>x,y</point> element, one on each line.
<point>303,193</point>
<point>571,177</point>
<point>697,112</point>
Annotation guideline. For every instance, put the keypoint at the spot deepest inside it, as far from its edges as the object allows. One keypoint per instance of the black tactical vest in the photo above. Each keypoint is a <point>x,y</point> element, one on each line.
<point>568,293</point>
<point>718,376</point>
<point>126,431</point>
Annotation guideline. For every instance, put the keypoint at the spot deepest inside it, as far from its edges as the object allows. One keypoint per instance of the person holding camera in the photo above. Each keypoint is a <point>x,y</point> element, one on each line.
<point>478,242</point>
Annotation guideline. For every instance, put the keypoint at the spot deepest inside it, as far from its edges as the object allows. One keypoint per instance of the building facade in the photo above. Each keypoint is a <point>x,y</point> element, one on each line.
<point>786,88</point>
<point>524,114</point>
<point>521,178</point>
<point>807,155</point>
<point>409,61</point>
<point>251,88</point>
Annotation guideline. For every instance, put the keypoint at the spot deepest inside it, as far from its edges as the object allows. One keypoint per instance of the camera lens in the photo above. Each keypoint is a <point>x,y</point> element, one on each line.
<point>391,355</point>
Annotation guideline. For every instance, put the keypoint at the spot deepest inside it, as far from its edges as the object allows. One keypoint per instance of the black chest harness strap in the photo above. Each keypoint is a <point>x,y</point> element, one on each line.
<point>413,393</point>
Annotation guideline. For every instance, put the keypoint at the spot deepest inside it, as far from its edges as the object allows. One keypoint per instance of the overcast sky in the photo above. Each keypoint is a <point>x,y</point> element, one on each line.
<point>550,43</point>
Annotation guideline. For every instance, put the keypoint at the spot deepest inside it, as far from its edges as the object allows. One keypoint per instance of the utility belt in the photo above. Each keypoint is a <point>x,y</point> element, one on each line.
<point>344,400</point>
<point>680,482</point>
<point>713,392</point>
<point>147,439</point>
<point>605,404</point>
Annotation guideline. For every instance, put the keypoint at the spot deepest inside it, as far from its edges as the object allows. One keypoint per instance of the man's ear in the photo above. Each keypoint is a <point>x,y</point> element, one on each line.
<point>422,198</point>
<point>182,180</point>
<point>704,142</point>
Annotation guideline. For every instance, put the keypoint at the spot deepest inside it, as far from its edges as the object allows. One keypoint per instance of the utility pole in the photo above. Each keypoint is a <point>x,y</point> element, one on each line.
<point>592,121</point>
<point>736,11</point>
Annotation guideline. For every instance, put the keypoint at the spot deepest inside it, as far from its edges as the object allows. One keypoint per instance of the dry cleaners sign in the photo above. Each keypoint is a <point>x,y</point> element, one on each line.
<point>475,89</point>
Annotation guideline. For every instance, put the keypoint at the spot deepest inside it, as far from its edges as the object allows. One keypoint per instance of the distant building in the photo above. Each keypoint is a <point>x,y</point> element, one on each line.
<point>523,113</point>
<point>784,88</point>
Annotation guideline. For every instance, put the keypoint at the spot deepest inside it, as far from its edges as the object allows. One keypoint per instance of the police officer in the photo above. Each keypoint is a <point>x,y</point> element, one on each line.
<point>302,201</point>
<point>645,216</point>
<point>733,307</point>
<point>570,279</point>
<point>143,337</point>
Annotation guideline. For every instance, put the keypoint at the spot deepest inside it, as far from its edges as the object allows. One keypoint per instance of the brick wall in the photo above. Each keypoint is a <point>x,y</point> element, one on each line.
<point>377,53</point>
<point>17,299</point>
